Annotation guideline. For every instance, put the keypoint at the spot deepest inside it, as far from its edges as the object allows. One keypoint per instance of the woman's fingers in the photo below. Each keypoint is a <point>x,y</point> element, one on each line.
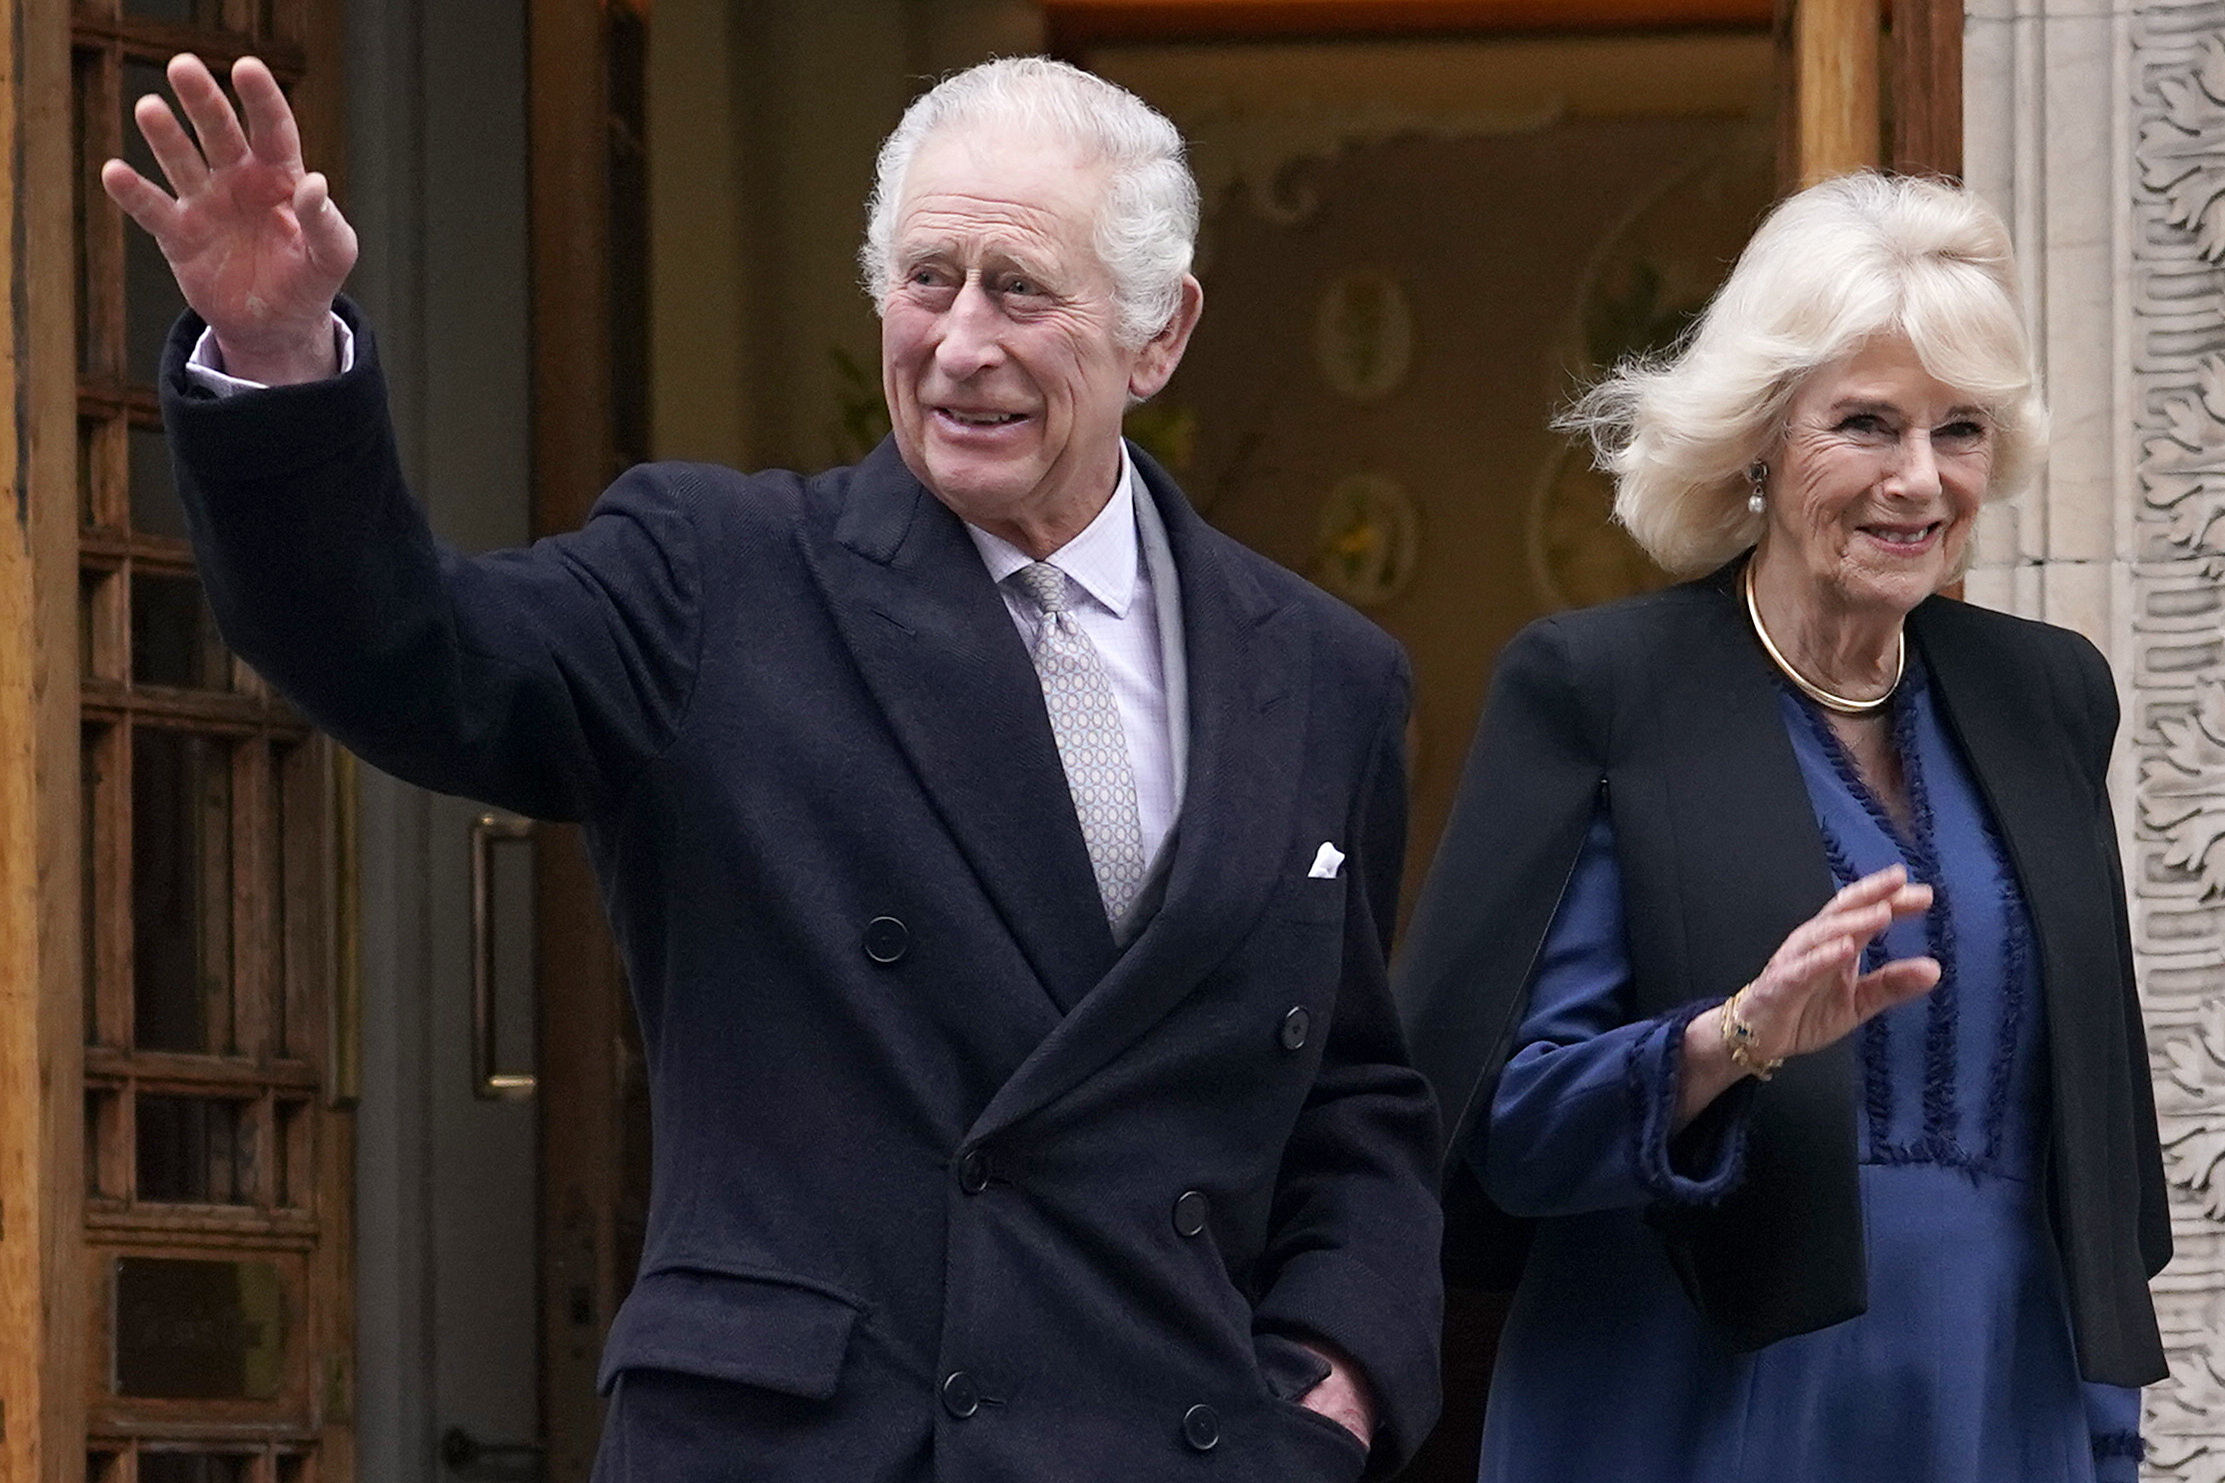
<point>209,110</point>
<point>1890,886</point>
<point>270,119</point>
<point>1875,886</point>
<point>1862,920</point>
<point>1894,983</point>
<point>1872,912</point>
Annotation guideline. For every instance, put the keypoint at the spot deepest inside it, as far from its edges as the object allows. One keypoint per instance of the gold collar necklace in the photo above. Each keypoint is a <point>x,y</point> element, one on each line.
<point>1808,687</point>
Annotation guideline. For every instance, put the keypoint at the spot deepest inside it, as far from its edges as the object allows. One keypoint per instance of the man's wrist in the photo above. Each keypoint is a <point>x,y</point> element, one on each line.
<point>290,361</point>
<point>1343,1395</point>
<point>208,369</point>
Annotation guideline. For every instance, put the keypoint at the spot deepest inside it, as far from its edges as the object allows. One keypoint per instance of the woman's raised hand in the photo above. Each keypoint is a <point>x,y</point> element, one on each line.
<point>1813,993</point>
<point>258,248</point>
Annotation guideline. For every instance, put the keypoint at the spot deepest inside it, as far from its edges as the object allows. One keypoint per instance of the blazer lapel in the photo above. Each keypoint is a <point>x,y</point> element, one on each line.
<point>939,652</point>
<point>2024,774</point>
<point>1248,668</point>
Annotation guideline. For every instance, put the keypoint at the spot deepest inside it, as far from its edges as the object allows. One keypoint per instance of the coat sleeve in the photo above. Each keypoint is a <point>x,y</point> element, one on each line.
<point>1583,1117</point>
<point>1355,1225</point>
<point>538,680</point>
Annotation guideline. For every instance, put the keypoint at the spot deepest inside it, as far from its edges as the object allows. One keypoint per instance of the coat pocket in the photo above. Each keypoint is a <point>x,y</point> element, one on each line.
<point>1310,899</point>
<point>758,1331</point>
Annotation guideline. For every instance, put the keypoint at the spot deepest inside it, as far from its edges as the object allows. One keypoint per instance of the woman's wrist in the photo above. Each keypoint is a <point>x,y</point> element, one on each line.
<point>1740,1041</point>
<point>1706,1070</point>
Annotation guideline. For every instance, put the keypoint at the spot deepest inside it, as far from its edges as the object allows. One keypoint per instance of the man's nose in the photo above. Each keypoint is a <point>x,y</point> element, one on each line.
<point>971,326</point>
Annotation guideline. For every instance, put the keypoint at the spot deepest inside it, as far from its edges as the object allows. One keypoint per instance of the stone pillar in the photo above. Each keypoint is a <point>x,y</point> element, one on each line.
<point>2099,129</point>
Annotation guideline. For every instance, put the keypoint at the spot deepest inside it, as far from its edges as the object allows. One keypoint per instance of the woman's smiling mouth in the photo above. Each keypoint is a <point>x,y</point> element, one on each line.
<point>1908,540</point>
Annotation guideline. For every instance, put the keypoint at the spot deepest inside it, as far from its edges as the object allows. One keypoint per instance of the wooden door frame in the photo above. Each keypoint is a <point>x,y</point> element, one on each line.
<point>42,1305</point>
<point>584,1010</point>
<point>47,1350</point>
<point>1864,84</point>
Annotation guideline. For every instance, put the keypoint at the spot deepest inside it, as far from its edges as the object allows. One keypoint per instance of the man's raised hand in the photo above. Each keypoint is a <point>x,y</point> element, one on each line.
<point>258,248</point>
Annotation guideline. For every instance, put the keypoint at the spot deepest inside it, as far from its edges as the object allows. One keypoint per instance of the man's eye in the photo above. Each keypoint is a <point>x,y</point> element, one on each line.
<point>1025,287</point>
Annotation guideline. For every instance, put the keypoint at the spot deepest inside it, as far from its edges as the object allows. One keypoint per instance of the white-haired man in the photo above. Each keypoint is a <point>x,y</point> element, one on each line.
<point>1002,858</point>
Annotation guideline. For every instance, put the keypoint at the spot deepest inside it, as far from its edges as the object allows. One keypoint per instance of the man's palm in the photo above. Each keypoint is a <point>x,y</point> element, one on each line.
<point>258,249</point>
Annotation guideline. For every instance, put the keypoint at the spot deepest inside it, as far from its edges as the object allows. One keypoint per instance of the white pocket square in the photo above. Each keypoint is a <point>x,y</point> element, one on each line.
<point>1327,863</point>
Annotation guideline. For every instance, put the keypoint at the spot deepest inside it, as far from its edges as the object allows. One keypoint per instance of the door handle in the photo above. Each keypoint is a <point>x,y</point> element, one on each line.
<point>465,1454</point>
<point>487,1083</point>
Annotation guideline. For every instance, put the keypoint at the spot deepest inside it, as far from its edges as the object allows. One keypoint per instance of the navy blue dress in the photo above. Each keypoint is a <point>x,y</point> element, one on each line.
<point>1962,1370</point>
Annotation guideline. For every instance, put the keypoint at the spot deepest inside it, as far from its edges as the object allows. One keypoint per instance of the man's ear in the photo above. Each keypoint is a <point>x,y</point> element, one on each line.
<point>1155,363</point>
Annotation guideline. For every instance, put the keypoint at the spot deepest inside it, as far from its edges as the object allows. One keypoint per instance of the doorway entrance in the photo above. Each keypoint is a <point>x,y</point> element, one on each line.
<point>1426,224</point>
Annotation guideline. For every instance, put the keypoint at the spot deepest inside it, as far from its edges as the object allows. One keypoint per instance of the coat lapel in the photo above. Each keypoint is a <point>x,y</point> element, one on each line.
<point>1249,669</point>
<point>939,652</point>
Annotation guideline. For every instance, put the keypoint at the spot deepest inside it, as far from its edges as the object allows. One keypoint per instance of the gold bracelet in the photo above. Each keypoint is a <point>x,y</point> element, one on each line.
<point>1738,1041</point>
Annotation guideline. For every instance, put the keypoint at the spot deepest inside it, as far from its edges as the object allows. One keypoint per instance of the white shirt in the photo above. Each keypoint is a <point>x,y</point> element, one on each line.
<point>1119,611</point>
<point>1118,607</point>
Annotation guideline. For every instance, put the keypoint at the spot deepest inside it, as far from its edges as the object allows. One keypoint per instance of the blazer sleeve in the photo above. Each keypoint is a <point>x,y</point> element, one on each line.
<point>538,680</point>
<point>1584,1115</point>
<point>1355,1226</point>
<point>1533,780</point>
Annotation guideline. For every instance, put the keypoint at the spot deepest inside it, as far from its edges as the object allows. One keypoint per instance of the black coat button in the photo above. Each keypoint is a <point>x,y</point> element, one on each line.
<point>973,1172</point>
<point>1294,1027</point>
<point>886,940</point>
<point>1201,1428</point>
<point>1190,1212</point>
<point>961,1397</point>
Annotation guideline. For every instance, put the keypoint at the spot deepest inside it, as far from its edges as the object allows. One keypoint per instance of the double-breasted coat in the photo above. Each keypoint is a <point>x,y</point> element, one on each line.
<point>946,1183</point>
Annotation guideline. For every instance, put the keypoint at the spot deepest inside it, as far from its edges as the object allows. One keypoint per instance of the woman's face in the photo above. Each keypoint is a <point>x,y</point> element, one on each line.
<point>1878,480</point>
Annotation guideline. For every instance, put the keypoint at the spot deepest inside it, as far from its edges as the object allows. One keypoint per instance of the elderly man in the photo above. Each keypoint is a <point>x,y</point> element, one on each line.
<point>1002,858</point>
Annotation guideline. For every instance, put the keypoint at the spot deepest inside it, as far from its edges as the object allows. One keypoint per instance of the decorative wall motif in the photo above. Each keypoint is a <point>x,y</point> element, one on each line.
<point>1363,334</point>
<point>1370,540</point>
<point>2175,725</point>
<point>1234,147</point>
<point>2180,152</point>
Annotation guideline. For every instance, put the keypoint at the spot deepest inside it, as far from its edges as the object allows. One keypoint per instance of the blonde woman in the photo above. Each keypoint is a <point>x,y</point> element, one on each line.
<point>1774,971</point>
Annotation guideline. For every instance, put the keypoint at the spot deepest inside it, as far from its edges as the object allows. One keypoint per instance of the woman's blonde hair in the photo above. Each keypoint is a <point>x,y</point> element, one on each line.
<point>1837,265</point>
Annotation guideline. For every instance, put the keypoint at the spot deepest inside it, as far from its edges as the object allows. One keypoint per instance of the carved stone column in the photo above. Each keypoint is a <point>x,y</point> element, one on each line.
<point>2100,131</point>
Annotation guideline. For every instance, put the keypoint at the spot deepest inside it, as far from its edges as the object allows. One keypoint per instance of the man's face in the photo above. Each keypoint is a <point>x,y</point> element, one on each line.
<point>1006,382</point>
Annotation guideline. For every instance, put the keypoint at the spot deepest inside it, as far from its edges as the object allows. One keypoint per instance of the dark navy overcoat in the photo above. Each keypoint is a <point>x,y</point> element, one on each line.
<point>946,1184</point>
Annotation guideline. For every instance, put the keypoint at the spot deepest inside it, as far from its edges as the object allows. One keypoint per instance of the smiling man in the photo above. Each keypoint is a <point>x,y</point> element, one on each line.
<point>1003,858</point>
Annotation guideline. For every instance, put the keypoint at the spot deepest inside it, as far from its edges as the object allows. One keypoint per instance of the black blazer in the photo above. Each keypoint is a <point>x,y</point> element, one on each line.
<point>1666,707</point>
<point>916,1116</point>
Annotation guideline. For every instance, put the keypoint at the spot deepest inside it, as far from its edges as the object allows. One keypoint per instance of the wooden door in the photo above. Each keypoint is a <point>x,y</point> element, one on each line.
<point>587,80</point>
<point>175,1278</point>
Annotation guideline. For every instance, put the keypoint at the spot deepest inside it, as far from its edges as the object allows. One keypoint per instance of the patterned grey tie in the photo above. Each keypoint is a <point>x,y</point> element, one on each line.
<point>1085,720</point>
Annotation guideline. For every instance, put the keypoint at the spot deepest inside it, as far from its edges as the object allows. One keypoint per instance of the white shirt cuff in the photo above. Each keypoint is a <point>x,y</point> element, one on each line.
<point>205,367</point>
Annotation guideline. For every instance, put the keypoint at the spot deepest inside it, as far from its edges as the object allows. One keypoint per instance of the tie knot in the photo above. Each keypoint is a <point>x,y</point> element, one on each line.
<point>1045,583</point>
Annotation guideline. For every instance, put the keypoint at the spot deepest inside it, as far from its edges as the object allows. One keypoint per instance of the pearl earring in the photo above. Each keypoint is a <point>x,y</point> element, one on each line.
<point>1757,475</point>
